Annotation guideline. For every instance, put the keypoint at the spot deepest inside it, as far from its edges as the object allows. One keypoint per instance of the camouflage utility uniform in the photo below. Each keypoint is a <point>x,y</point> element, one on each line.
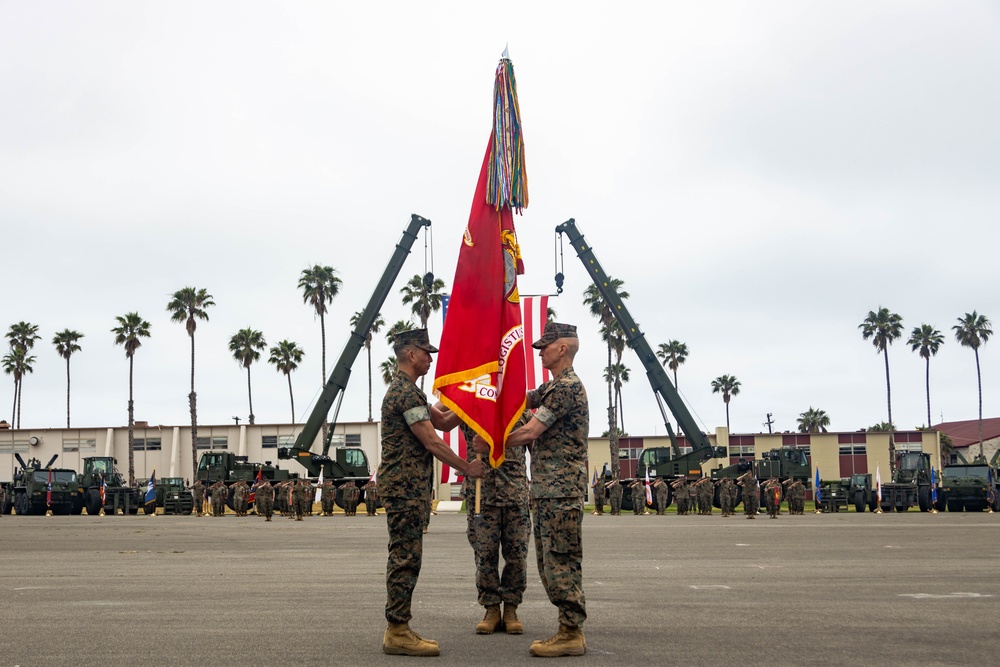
<point>240,492</point>
<point>503,526</point>
<point>404,486</point>
<point>558,488</point>
<point>615,496</point>
<point>351,494</point>
<point>198,496</point>
<point>706,493</point>
<point>796,494</point>
<point>599,492</point>
<point>681,494</point>
<point>371,497</point>
<point>298,499</point>
<point>727,496</point>
<point>638,497</point>
<point>772,497</point>
<point>326,499</point>
<point>660,496</point>
<point>751,495</point>
<point>219,495</point>
<point>264,500</point>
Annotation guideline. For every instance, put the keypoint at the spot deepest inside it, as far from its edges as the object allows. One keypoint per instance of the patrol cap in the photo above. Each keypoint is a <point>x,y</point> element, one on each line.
<point>416,337</point>
<point>553,332</point>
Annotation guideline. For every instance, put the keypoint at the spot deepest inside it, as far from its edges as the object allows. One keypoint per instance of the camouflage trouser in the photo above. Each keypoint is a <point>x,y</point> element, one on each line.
<point>327,503</point>
<point>265,507</point>
<point>558,531</point>
<point>406,545</point>
<point>599,503</point>
<point>705,503</point>
<point>639,502</point>
<point>371,504</point>
<point>616,504</point>
<point>427,516</point>
<point>500,529</point>
<point>727,505</point>
<point>751,503</point>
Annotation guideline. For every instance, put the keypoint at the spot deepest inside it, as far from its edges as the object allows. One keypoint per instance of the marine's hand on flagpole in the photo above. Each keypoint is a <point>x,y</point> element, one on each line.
<point>475,469</point>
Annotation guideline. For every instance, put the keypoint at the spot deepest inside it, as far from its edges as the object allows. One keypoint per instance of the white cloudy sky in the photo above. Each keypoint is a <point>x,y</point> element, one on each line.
<point>760,175</point>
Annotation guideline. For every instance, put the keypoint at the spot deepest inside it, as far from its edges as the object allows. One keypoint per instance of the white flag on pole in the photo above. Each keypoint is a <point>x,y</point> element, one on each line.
<point>319,486</point>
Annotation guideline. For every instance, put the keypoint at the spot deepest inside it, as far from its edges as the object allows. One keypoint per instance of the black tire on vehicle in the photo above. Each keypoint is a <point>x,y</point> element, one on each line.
<point>627,500</point>
<point>873,504</point>
<point>924,498</point>
<point>859,506</point>
<point>92,501</point>
<point>134,509</point>
<point>955,506</point>
<point>149,508</point>
<point>8,506</point>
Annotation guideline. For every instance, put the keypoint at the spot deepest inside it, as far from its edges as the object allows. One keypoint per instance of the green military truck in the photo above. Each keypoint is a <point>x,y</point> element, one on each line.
<point>856,491</point>
<point>910,485</point>
<point>172,496</point>
<point>117,494</point>
<point>779,463</point>
<point>35,489</point>
<point>971,487</point>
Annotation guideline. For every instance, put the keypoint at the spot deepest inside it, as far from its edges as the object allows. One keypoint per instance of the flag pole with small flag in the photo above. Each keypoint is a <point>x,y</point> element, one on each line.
<point>319,487</point>
<point>817,493</point>
<point>878,491</point>
<point>934,494</point>
<point>649,489</point>
<point>151,495</point>
<point>104,493</point>
<point>48,495</point>
<point>252,497</point>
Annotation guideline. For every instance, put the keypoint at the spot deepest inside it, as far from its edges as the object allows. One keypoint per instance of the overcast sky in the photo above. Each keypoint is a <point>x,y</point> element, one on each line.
<point>760,175</point>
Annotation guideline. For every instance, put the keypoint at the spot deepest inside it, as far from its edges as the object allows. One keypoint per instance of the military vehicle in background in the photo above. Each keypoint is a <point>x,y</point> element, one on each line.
<point>29,491</point>
<point>172,496</point>
<point>669,463</point>
<point>230,468</point>
<point>910,485</point>
<point>349,464</point>
<point>117,494</point>
<point>781,463</point>
<point>971,487</point>
<point>856,491</point>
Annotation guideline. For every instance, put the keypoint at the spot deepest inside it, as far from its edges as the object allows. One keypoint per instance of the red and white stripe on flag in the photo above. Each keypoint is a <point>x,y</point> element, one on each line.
<point>534,314</point>
<point>456,440</point>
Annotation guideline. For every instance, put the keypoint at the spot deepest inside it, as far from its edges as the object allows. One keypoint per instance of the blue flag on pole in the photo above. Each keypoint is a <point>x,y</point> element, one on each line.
<point>151,488</point>
<point>817,495</point>
<point>933,487</point>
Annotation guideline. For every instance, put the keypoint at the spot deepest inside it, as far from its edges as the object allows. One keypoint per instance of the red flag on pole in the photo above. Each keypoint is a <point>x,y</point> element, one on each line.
<point>481,366</point>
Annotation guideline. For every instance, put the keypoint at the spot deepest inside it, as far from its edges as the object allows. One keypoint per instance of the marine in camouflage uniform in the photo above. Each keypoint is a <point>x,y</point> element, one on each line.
<point>351,494</point>
<point>600,491</point>
<point>705,491</point>
<point>240,493</point>
<point>615,496</point>
<point>751,494</point>
<point>409,445</point>
<point>264,500</point>
<point>371,497</point>
<point>219,494</point>
<point>638,496</point>
<point>681,495</point>
<point>298,499</point>
<point>727,496</point>
<point>772,497</point>
<point>326,498</point>
<point>660,496</point>
<point>502,526</point>
<point>559,430</point>
<point>198,497</point>
<point>796,494</point>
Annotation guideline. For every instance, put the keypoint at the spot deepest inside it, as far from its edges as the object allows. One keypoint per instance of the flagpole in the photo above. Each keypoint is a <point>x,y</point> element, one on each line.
<point>479,485</point>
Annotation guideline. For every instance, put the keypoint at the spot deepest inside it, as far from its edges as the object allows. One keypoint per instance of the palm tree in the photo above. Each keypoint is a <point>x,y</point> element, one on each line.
<point>813,421</point>
<point>425,296</point>
<point>246,345</point>
<point>319,284</point>
<point>550,314</point>
<point>600,309</point>
<point>66,344</point>
<point>286,357</point>
<point>884,327</point>
<point>188,306</point>
<point>672,354</point>
<point>397,327</point>
<point>881,427</point>
<point>388,369</point>
<point>972,331</point>
<point>618,374</point>
<point>130,329</point>
<point>612,335</point>
<point>728,386</point>
<point>22,337</point>
<point>377,324</point>
<point>17,363</point>
<point>927,340</point>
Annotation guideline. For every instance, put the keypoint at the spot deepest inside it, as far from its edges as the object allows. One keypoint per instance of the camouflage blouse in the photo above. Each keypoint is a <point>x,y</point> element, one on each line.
<point>406,467</point>
<point>504,486</point>
<point>559,455</point>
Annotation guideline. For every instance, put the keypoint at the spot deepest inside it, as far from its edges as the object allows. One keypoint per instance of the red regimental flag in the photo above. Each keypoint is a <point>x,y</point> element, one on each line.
<point>480,369</point>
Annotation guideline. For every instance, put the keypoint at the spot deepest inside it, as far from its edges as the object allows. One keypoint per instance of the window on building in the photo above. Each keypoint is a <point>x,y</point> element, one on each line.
<point>274,441</point>
<point>853,460</point>
<point>79,445</point>
<point>353,440</point>
<point>147,444</point>
<point>9,446</point>
<point>213,442</point>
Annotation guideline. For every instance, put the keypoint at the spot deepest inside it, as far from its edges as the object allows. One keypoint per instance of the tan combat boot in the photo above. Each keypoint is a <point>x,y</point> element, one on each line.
<point>511,622</point>
<point>400,640</point>
<point>491,621</point>
<point>568,641</point>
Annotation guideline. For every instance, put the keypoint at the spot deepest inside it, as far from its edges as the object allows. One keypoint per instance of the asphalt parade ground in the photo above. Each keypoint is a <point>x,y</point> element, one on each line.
<point>831,589</point>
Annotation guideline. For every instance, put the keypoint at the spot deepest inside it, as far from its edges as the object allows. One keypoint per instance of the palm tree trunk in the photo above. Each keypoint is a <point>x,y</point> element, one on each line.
<point>927,381</point>
<point>67,392</point>
<point>369,348</point>
<point>676,386</point>
<point>250,396</point>
<point>20,388</point>
<point>612,424</point>
<point>979,384</point>
<point>291,396</point>
<point>888,401</point>
<point>13,408</point>
<point>726,400</point>
<point>322,333</point>
<point>131,423</point>
<point>193,406</point>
